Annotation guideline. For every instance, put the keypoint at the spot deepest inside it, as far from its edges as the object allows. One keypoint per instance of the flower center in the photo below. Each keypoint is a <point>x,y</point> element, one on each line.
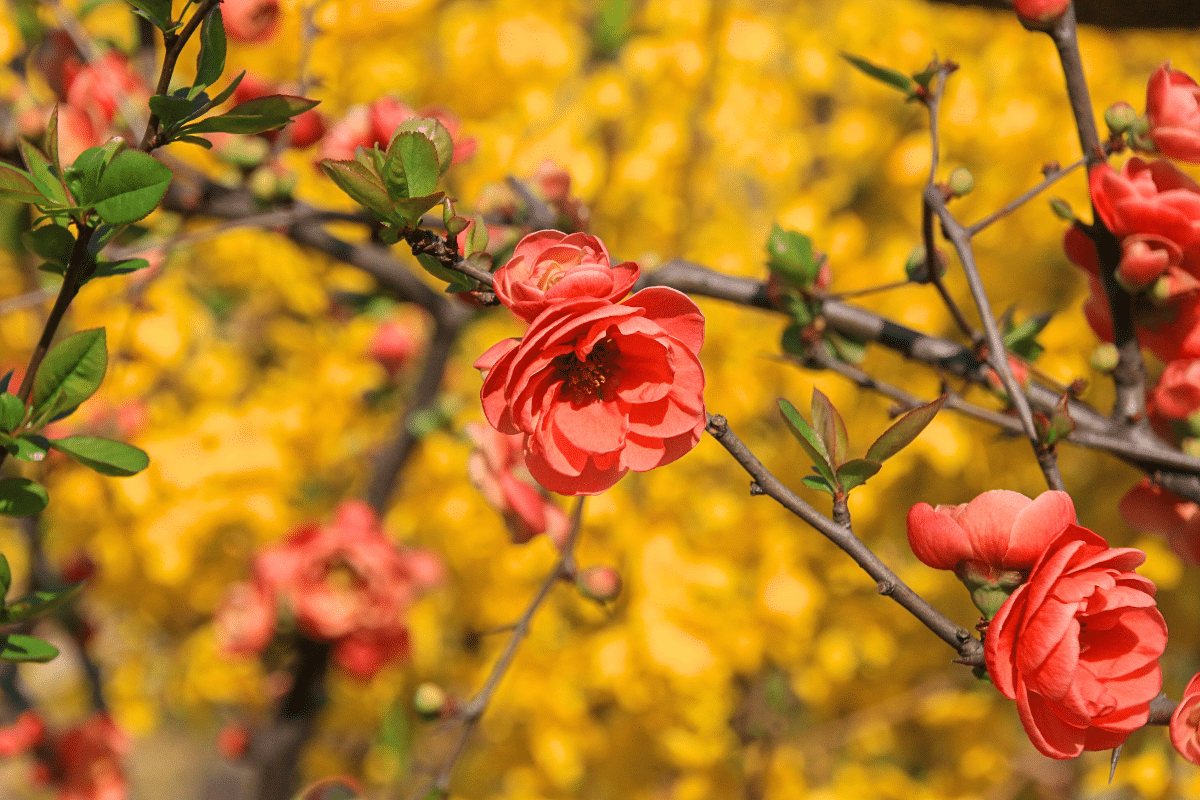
<point>584,381</point>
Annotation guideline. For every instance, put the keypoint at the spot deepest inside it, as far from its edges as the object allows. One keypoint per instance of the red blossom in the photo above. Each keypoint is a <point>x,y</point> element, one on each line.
<point>1078,645</point>
<point>26,732</point>
<point>89,759</point>
<point>1150,198</point>
<point>1173,108</point>
<point>1149,508</point>
<point>1185,722</point>
<point>250,20</point>
<point>598,389</point>
<point>497,469</point>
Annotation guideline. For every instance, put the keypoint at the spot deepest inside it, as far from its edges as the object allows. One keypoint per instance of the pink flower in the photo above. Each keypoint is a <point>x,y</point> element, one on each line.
<point>1149,508</point>
<point>1077,646</point>
<point>1173,108</point>
<point>1177,393</point>
<point>246,622</point>
<point>497,469</point>
<point>998,531</point>
<point>25,733</point>
<point>548,267</point>
<point>598,388</point>
<point>1185,722</point>
<point>250,20</point>
<point>350,132</point>
<point>98,86</point>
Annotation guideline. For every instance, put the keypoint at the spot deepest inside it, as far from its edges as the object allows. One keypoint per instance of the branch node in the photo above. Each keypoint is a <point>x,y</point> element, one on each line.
<point>756,489</point>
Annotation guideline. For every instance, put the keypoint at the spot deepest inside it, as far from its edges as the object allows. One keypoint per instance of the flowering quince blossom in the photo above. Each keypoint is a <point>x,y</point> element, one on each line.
<point>88,761</point>
<point>1077,646</point>
<point>250,20</point>
<point>1148,508</point>
<point>1185,722</point>
<point>1040,13</point>
<point>345,583</point>
<point>550,266</point>
<point>1173,108</point>
<point>497,469</point>
<point>597,388</point>
<point>1149,198</point>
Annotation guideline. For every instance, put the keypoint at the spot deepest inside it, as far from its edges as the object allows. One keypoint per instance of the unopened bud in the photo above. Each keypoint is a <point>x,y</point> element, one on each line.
<point>602,584</point>
<point>1193,423</point>
<point>429,699</point>
<point>1191,446</point>
<point>916,268</point>
<point>1105,357</point>
<point>1139,135</point>
<point>1040,15</point>
<point>245,152</point>
<point>262,184</point>
<point>285,183</point>
<point>1120,117</point>
<point>1062,209</point>
<point>1135,288</point>
<point>961,181</point>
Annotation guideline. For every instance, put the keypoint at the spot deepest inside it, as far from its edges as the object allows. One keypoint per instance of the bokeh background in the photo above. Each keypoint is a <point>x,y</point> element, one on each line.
<point>747,657</point>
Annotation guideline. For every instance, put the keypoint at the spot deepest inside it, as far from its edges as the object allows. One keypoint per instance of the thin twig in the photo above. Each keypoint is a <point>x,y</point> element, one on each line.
<point>970,649</point>
<point>174,43</point>
<point>1004,211</point>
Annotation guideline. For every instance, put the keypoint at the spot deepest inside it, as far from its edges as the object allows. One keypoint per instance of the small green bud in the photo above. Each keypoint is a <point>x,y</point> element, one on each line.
<point>1193,423</point>
<point>961,181</point>
<point>262,184</point>
<point>915,266</point>
<point>429,700</point>
<point>244,152</point>
<point>1062,209</point>
<point>1191,446</point>
<point>1105,357</point>
<point>1120,117</point>
<point>1160,290</point>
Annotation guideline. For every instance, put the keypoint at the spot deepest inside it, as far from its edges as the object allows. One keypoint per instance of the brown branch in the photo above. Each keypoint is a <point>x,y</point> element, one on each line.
<point>1051,178</point>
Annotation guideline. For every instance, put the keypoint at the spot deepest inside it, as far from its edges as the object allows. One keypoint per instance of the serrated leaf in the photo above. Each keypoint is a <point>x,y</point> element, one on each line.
<point>12,412</point>
<point>829,425</point>
<point>210,62</point>
<point>106,456</point>
<point>21,497</point>
<point>42,173</point>
<point>253,116</point>
<point>790,256</point>
<point>75,366</point>
<point>418,158</point>
<point>16,184</point>
<point>904,430</point>
<point>39,603</point>
<point>436,133</point>
<point>891,77</point>
<point>808,440</point>
<point>20,648</point>
<point>817,482</point>
<point>361,184</point>
<point>856,471</point>
<point>52,242</point>
<point>158,12</point>
<point>133,184</point>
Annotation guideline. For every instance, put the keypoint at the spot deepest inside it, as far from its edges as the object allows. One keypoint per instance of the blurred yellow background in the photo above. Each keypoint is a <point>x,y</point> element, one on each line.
<point>747,656</point>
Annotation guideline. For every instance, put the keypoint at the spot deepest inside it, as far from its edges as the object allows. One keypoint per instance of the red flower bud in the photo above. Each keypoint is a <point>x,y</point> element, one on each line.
<point>1040,14</point>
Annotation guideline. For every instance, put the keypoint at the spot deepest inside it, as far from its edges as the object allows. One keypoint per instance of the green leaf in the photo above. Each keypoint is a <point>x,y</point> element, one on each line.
<point>12,412</point>
<point>412,209</point>
<point>435,132</point>
<point>889,76</point>
<point>27,447</point>
<point>172,110</point>
<point>477,239</point>
<point>904,430</point>
<point>845,349</point>
<point>200,140</point>
<point>5,577</point>
<point>157,11</point>
<point>51,141</point>
<point>808,440</point>
<point>42,173</point>
<point>790,256</point>
<point>828,424</point>
<point>106,456</point>
<point>52,242</point>
<point>210,62</point>
<point>817,482</point>
<point>16,184</point>
<point>75,366</point>
<point>131,187</point>
<point>227,92</point>
<point>1058,425</point>
<point>254,116</point>
<point>19,648</point>
<point>105,269</point>
<point>39,603</point>
<point>21,497</point>
<point>856,471</point>
<point>420,160</point>
<point>83,176</point>
<point>5,381</point>
<point>456,280</point>
<point>1022,339</point>
<point>361,184</point>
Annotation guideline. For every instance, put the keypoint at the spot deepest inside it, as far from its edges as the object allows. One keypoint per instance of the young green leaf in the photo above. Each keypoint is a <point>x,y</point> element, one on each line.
<point>1022,339</point>
<point>817,482</point>
<point>253,116</point>
<point>790,255</point>
<point>904,430</point>
<point>105,269</point>
<point>106,456</point>
<point>173,110</point>
<point>420,160</point>
<point>39,603</point>
<point>12,412</point>
<point>828,424</point>
<point>21,497</point>
<point>808,440</point>
<point>845,349</point>
<point>52,242</point>
<point>435,132</point>
<point>210,62</point>
<point>16,184</point>
<point>51,141</point>
<point>362,185</point>
<point>477,239</point>
<point>43,175</point>
<point>412,209</point>
<point>18,647</point>
<point>889,76</point>
<point>75,366</point>
<point>856,471</point>
<point>27,446</point>
<point>457,282</point>
<point>132,186</point>
<point>5,577</point>
<point>158,12</point>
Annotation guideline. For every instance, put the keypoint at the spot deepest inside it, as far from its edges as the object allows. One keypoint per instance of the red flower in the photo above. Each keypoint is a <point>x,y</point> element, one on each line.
<point>1077,646</point>
<point>89,758</point>
<point>996,532</point>
<point>1173,108</point>
<point>497,469</point>
<point>1185,722</point>
<point>26,731</point>
<point>1177,393</point>
<point>250,20</point>
<point>1149,198</point>
<point>1170,331</point>
<point>599,388</point>
<point>1149,508</point>
<point>548,267</point>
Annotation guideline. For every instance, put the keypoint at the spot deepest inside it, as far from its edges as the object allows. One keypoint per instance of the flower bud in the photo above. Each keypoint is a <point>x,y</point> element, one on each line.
<point>1062,209</point>
<point>262,184</point>
<point>1040,15</point>
<point>1105,357</point>
<point>916,269</point>
<point>429,700</point>
<point>961,181</point>
<point>1193,422</point>
<point>1119,117</point>
<point>233,741</point>
<point>602,584</point>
